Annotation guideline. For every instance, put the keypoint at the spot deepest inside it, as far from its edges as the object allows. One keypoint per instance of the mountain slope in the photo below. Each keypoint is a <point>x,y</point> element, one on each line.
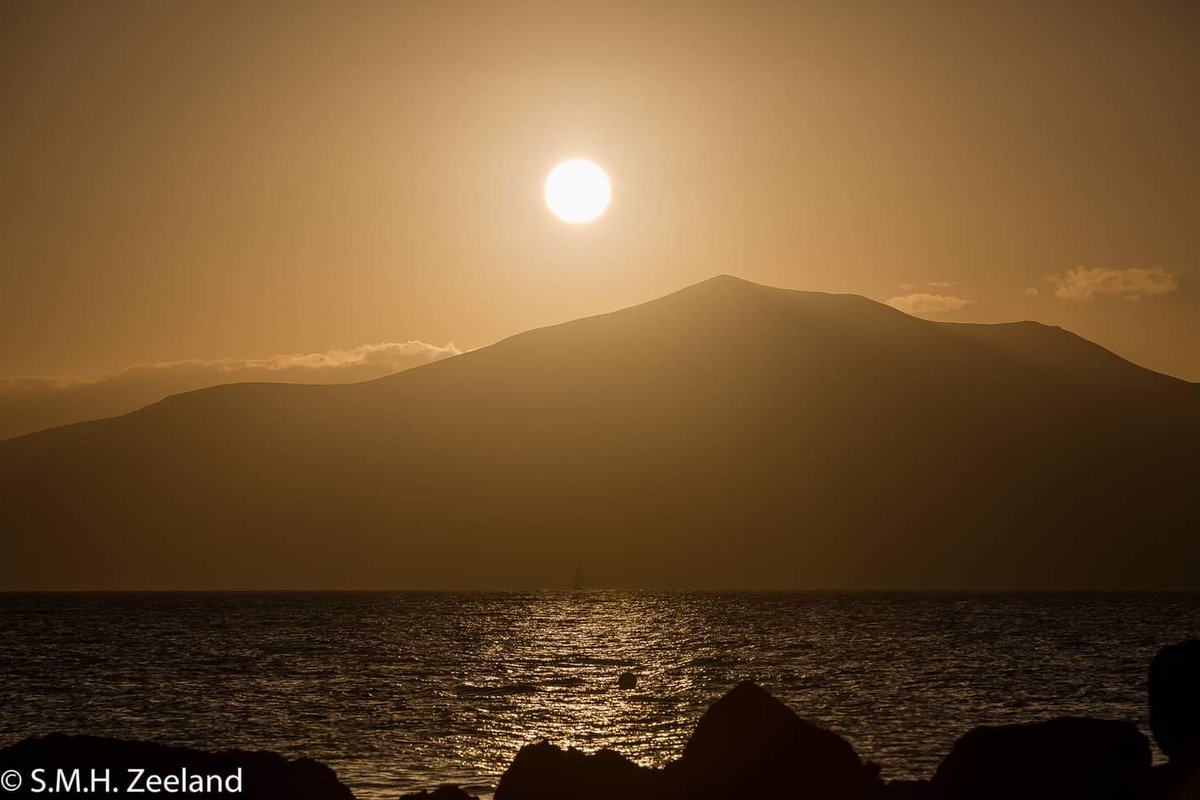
<point>729,434</point>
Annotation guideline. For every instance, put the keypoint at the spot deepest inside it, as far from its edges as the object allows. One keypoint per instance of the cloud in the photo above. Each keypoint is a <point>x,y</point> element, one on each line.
<point>1084,283</point>
<point>32,403</point>
<point>316,367</point>
<point>1032,291</point>
<point>942,284</point>
<point>924,303</point>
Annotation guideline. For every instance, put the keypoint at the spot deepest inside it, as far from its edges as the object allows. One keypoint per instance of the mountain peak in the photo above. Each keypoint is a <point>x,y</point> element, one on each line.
<point>728,294</point>
<point>729,434</point>
<point>723,284</point>
<point>729,280</point>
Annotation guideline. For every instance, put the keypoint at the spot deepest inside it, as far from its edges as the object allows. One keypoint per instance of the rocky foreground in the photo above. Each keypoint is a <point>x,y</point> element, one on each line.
<point>64,766</point>
<point>750,746</point>
<point>747,746</point>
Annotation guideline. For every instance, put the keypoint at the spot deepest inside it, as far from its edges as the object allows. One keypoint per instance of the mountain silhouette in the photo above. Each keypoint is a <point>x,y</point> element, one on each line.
<point>726,435</point>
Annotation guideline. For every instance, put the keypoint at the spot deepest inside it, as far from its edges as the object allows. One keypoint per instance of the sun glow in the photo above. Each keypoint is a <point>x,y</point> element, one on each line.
<point>577,191</point>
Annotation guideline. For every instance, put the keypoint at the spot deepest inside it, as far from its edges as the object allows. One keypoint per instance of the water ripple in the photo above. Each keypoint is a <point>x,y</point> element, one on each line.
<point>404,690</point>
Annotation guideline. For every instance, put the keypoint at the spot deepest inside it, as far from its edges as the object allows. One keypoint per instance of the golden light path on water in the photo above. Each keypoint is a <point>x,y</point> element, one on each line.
<point>403,691</point>
<point>850,664</point>
<point>583,642</point>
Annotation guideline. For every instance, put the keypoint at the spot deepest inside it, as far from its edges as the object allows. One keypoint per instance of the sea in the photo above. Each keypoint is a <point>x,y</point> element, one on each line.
<point>399,691</point>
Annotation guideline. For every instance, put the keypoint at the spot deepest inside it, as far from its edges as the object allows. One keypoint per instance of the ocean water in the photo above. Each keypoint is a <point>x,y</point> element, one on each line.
<point>400,691</point>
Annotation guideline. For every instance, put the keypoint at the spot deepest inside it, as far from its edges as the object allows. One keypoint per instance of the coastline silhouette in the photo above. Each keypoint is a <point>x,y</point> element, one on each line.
<point>727,435</point>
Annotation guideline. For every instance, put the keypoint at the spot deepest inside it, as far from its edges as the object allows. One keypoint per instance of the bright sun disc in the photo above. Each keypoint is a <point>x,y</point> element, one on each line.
<point>577,191</point>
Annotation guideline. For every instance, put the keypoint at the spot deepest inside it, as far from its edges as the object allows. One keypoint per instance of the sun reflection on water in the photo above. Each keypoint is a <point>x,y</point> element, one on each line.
<point>401,691</point>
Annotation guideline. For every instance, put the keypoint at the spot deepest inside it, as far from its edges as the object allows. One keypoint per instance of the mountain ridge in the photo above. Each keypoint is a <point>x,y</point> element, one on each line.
<point>728,434</point>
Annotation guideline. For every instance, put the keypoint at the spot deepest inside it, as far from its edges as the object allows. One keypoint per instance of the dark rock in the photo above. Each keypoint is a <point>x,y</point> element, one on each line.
<point>1175,718</point>
<point>1061,759</point>
<point>1174,689</point>
<point>545,772</point>
<point>447,792</point>
<point>263,775</point>
<point>627,680</point>
<point>1174,695</point>
<point>748,744</point>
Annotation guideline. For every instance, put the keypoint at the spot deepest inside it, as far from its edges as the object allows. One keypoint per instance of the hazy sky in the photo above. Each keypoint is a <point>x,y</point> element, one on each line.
<point>205,180</point>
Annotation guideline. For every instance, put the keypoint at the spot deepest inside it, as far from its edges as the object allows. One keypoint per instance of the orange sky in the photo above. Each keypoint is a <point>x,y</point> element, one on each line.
<point>226,180</point>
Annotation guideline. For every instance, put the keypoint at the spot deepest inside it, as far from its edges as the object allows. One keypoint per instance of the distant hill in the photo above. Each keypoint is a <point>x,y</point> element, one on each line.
<point>727,435</point>
<point>33,404</point>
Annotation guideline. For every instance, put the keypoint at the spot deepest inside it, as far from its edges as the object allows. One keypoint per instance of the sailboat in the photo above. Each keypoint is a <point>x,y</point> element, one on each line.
<point>578,585</point>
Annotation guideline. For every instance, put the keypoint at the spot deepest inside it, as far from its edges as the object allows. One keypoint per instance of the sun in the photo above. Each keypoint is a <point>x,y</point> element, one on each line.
<point>577,191</point>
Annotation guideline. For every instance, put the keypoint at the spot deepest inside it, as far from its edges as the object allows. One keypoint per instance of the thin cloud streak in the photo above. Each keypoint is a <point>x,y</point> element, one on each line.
<point>29,404</point>
<point>925,303</point>
<point>1083,284</point>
